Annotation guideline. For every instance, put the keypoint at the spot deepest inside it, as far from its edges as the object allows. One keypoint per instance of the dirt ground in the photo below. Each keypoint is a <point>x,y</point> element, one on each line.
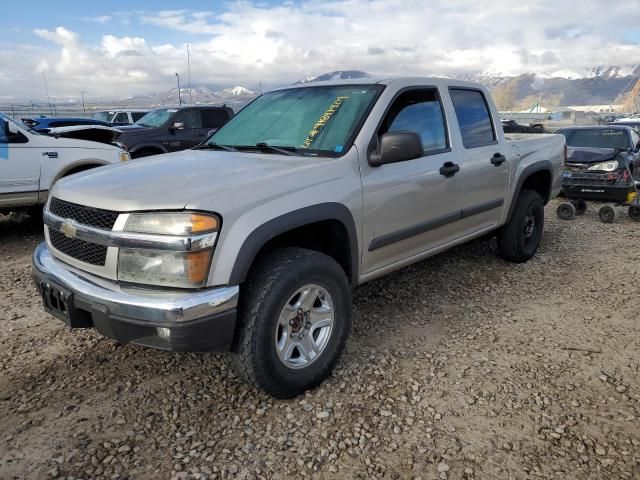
<point>462,366</point>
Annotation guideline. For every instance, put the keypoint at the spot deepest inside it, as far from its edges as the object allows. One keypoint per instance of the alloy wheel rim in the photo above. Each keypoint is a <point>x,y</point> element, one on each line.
<point>304,326</point>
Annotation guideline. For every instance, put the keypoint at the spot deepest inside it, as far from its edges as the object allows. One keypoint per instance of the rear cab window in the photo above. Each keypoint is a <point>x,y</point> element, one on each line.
<point>419,110</point>
<point>474,117</point>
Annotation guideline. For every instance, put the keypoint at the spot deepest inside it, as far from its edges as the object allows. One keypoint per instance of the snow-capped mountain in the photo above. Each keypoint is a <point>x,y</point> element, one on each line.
<point>336,75</point>
<point>237,91</point>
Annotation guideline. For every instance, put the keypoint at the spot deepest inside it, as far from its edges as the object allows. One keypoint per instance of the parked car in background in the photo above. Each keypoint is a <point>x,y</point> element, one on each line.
<point>120,117</point>
<point>30,163</point>
<point>635,117</point>
<point>171,129</point>
<point>635,124</point>
<point>601,151</point>
<point>511,126</point>
<point>253,241</point>
<point>45,124</point>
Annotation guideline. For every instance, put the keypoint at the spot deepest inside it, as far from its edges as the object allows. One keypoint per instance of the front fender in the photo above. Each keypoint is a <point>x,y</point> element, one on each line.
<point>289,221</point>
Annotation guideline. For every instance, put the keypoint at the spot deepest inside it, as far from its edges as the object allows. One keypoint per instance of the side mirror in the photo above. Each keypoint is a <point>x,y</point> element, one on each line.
<point>177,126</point>
<point>397,147</point>
<point>12,130</point>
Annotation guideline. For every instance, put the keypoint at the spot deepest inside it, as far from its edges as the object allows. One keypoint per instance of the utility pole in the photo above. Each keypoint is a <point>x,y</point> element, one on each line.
<point>82,92</point>
<point>179,97</point>
<point>189,73</point>
<point>46,89</point>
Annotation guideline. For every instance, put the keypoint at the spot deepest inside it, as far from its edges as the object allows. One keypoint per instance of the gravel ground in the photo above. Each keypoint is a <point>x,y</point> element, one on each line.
<point>462,366</point>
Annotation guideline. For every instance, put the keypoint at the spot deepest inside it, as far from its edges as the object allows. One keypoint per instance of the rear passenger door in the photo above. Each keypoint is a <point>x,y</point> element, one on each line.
<point>411,207</point>
<point>484,161</point>
<point>213,119</point>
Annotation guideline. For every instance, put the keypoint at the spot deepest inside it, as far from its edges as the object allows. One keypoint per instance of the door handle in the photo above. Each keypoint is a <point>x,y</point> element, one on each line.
<point>498,159</point>
<point>449,169</point>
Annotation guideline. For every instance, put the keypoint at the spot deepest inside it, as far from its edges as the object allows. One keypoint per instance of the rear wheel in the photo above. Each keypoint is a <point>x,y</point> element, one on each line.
<point>519,239</point>
<point>607,214</point>
<point>566,211</point>
<point>295,316</point>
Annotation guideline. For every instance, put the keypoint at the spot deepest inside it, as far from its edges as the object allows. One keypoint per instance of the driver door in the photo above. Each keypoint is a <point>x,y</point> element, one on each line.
<point>19,167</point>
<point>188,135</point>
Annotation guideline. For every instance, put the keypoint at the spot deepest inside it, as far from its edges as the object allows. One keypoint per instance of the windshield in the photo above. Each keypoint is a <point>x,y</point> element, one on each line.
<point>322,120</point>
<point>156,118</point>
<point>597,137</point>
<point>102,116</point>
<point>19,125</point>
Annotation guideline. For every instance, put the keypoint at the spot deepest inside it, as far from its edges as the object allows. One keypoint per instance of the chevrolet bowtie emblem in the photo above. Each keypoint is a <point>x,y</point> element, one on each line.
<point>68,229</point>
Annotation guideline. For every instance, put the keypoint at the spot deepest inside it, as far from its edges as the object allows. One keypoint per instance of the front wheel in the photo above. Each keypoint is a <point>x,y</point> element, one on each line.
<point>294,320</point>
<point>518,240</point>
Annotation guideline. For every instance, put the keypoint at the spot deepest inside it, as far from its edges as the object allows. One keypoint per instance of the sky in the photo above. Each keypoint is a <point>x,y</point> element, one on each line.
<point>122,48</point>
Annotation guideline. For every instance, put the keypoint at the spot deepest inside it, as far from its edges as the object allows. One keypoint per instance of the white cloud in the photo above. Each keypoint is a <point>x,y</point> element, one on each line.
<point>247,43</point>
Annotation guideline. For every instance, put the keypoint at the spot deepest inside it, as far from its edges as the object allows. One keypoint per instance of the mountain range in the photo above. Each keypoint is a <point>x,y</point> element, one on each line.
<point>601,85</point>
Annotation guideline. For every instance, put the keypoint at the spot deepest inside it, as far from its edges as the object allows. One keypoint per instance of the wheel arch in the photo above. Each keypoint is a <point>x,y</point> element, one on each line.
<point>147,146</point>
<point>326,227</point>
<point>536,177</point>
<point>79,166</point>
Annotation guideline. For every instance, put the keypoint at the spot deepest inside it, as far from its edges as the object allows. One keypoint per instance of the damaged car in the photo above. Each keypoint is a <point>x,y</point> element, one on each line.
<point>603,165</point>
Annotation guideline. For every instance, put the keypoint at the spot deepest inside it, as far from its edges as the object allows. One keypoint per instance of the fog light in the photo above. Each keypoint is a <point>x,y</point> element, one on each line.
<point>163,333</point>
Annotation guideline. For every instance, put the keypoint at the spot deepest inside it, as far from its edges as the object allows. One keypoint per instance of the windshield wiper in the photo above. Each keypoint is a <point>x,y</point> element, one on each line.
<point>213,145</point>
<point>283,150</point>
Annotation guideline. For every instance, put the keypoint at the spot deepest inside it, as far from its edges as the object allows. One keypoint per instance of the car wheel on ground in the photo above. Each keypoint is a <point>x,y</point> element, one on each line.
<point>580,206</point>
<point>607,214</point>
<point>566,211</point>
<point>518,240</point>
<point>634,213</point>
<point>294,319</point>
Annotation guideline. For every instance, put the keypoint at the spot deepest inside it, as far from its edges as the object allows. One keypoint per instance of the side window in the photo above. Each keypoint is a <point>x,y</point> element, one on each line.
<point>137,115</point>
<point>635,139</point>
<point>419,111</point>
<point>4,131</point>
<point>121,117</point>
<point>190,118</point>
<point>474,118</point>
<point>214,118</point>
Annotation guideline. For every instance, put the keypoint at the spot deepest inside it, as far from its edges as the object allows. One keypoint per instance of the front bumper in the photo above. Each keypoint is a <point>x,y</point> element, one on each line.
<point>169,319</point>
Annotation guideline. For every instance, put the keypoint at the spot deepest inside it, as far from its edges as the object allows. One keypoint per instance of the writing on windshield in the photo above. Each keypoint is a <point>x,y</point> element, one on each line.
<point>326,116</point>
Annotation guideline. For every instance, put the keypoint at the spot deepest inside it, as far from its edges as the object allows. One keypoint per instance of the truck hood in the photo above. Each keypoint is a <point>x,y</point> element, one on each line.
<point>196,179</point>
<point>92,133</point>
<point>46,141</point>
<point>590,155</point>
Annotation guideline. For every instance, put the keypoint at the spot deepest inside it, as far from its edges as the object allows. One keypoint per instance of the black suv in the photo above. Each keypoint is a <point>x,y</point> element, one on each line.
<point>171,129</point>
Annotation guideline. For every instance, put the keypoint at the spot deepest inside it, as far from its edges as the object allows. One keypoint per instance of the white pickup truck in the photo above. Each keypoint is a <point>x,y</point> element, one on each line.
<point>252,241</point>
<point>31,162</point>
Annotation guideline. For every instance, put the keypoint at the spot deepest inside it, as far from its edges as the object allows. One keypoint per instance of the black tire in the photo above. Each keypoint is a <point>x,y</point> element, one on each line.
<point>271,284</point>
<point>566,211</point>
<point>580,205</point>
<point>634,213</point>
<point>35,214</point>
<point>607,214</point>
<point>519,239</point>
<point>145,152</point>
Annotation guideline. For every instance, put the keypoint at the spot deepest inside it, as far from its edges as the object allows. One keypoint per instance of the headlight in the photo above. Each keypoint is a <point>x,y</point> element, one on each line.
<point>125,157</point>
<point>166,267</point>
<point>609,166</point>
<point>179,223</point>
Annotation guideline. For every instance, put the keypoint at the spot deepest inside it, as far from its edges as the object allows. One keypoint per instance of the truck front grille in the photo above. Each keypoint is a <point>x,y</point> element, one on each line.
<point>78,249</point>
<point>94,217</point>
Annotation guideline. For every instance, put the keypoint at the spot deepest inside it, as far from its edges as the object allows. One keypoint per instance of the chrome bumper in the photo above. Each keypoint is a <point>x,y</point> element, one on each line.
<point>188,319</point>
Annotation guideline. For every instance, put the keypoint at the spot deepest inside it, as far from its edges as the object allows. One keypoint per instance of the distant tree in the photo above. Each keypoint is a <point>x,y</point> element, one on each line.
<point>504,96</point>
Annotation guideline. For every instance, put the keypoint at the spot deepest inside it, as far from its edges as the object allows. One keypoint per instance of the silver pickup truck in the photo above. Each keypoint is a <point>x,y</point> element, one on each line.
<point>253,241</point>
